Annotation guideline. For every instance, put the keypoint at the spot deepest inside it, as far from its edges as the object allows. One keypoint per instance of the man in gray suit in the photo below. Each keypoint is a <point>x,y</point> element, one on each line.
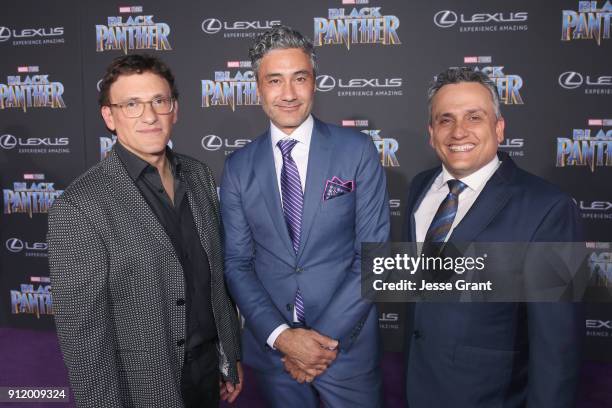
<point>142,313</point>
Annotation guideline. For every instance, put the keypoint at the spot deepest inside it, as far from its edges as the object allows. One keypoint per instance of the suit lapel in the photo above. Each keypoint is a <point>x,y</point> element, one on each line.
<point>265,173</point>
<point>489,203</point>
<point>199,213</point>
<point>129,197</point>
<point>319,158</point>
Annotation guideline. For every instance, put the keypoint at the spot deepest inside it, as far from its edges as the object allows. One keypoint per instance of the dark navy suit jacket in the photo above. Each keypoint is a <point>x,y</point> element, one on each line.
<point>497,354</point>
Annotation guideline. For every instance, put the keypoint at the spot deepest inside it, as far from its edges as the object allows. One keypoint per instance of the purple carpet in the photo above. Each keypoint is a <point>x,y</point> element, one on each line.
<point>32,359</point>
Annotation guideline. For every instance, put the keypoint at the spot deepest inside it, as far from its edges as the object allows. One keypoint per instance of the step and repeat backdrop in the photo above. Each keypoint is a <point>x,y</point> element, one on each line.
<point>551,61</point>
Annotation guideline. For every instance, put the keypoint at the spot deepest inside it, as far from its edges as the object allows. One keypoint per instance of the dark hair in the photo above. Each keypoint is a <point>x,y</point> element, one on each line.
<point>280,37</point>
<point>134,64</point>
<point>463,74</point>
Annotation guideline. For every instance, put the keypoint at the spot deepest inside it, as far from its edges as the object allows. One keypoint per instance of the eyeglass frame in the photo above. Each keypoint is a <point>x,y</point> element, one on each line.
<point>142,105</point>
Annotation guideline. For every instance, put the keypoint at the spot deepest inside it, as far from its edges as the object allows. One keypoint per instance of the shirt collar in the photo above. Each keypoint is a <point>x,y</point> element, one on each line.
<point>474,181</point>
<point>302,133</point>
<point>135,166</point>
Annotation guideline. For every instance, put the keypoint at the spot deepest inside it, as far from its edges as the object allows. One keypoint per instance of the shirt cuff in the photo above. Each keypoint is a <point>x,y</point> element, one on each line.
<point>272,337</point>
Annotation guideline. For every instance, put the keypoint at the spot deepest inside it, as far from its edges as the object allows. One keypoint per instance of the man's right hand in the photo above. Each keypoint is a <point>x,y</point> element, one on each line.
<point>313,350</point>
<point>297,373</point>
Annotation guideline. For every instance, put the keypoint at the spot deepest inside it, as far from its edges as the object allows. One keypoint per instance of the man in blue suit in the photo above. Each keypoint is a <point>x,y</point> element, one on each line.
<point>296,204</point>
<point>486,354</point>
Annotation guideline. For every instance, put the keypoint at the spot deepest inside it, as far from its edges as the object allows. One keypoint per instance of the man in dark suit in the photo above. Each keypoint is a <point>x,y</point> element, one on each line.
<point>297,203</point>
<point>486,354</point>
<point>142,313</point>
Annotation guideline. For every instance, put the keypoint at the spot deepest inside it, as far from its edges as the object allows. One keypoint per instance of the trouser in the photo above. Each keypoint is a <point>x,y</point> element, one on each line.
<point>200,377</point>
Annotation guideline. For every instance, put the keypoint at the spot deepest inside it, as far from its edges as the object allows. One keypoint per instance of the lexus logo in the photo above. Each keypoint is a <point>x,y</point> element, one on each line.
<point>212,142</point>
<point>5,34</point>
<point>325,83</point>
<point>570,80</point>
<point>8,141</point>
<point>211,26</point>
<point>98,84</point>
<point>14,245</point>
<point>445,18</point>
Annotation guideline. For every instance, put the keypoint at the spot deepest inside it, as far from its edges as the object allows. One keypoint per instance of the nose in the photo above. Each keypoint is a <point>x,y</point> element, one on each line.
<point>148,115</point>
<point>459,131</point>
<point>288,91</point>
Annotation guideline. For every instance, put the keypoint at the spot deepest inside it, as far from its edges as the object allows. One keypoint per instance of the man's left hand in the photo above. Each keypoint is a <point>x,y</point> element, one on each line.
<point>228,390</point>
<point>300,375</point>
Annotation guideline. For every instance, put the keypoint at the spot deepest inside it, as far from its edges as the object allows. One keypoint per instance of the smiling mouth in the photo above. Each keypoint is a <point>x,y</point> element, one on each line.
<point>462,147</point>
<point>156,130</point>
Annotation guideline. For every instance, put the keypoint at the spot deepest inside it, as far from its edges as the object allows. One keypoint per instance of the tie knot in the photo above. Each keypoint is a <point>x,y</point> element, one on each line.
<point>456,187</point>
<point>286,145</point>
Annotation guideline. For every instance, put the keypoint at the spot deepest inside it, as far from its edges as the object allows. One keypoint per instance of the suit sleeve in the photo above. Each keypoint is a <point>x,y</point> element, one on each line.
<point>78,263</point>
<point>229,343</point>
<point>556,330</point>
<point>253,300</point>
<point>372,224</point>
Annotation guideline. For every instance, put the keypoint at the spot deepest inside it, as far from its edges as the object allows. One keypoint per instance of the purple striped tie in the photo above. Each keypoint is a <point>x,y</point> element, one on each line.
<point>293,202</point>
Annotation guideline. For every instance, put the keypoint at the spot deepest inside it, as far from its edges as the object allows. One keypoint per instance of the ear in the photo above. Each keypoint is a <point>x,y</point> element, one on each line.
<point>430,129</point>
<point>175,112</point>
<point>258,83</point>
<point>499,129</point>
<point>314,80</point>
<point>107,115</point>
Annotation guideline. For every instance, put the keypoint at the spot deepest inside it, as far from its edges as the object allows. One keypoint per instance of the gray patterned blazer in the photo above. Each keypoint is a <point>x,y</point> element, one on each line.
<point>116,281</point>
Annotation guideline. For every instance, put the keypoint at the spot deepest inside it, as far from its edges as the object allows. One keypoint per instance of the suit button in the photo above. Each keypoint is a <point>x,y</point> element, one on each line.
<point>417,334</point>
<point>299,270</point>
<point>180,342</point>
<point>289,307</point>
<point>180,302</point>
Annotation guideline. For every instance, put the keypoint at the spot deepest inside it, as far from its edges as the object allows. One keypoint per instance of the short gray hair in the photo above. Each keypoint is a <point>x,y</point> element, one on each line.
<point>463,74</point>
<point>280,37</point>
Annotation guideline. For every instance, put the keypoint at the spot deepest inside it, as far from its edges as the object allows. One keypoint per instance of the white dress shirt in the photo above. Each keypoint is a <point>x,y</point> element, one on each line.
<point>475,182</point>
<point>299,153</point>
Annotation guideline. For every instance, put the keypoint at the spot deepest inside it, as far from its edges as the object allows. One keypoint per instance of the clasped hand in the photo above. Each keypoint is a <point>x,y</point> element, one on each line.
<point>306,353</point>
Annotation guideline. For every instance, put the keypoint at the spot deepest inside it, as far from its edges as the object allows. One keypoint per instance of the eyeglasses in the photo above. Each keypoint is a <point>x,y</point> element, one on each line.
<point>135,109</point>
